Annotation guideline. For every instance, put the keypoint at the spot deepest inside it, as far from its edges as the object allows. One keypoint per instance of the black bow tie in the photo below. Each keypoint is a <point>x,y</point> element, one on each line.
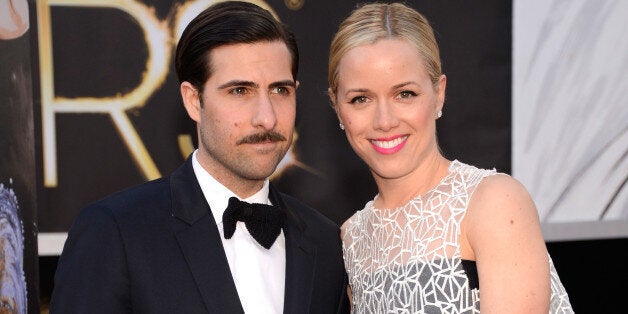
<point>262,221</point>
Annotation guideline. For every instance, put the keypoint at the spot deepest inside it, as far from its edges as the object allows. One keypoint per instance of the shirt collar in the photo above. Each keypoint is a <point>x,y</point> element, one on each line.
<point>217,195</point>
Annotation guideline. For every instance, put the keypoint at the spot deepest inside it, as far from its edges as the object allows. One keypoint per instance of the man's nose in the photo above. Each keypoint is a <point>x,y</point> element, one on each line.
<point>264,113</point>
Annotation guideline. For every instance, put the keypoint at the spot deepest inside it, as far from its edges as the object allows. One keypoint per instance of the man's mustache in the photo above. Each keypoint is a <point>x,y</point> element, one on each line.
<point>271,136</point>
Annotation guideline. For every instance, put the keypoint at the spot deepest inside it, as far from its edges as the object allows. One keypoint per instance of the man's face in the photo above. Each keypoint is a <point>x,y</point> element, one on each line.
<point>246,113</point>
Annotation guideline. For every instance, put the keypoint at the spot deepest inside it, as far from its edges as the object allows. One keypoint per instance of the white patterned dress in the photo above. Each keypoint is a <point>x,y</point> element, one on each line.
<point>407,260</point>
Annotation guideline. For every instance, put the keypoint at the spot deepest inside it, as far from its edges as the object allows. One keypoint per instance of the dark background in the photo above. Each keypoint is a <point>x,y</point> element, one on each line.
<point>17,155</point>
<point>100,52</point>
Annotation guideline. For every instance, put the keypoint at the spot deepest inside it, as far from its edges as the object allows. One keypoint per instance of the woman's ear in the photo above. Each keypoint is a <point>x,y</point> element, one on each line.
<point>441,85</point>
<point>191,101</point>
<point>332,101</point>
<point>332,97</point>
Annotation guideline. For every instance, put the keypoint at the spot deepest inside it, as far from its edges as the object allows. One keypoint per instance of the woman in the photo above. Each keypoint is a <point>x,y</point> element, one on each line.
<point>438,230</point>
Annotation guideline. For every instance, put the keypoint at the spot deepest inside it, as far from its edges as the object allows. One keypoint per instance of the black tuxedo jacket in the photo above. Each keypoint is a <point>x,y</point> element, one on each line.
<point>155,248</point>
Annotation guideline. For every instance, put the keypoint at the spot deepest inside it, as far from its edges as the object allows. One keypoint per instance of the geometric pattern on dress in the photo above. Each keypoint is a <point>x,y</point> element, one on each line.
<point>407,259</point>
<point>559,302</point>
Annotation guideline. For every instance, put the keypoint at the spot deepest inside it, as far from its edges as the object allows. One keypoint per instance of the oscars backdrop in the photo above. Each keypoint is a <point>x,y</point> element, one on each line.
<point>535,88</point>
<point>111,114</point>
<point>18,229</point>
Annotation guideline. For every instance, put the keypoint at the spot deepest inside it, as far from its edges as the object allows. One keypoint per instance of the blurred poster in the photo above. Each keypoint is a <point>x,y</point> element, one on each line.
<point>570,114</point>
<point>112,117</point>
<point>18,242</point>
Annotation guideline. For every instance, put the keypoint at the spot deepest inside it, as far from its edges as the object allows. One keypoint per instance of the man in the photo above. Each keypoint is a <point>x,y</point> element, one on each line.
<point>173,245</point>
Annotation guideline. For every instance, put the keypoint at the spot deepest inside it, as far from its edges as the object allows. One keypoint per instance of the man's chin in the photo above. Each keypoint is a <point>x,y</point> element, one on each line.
<point>261,171</point>
<point>260,175</point>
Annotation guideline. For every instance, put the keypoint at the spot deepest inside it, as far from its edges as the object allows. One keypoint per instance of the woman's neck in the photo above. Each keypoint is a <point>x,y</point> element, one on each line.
<point>396,192</point>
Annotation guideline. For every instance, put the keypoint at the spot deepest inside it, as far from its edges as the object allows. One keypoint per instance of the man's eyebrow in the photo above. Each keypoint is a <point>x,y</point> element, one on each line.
<point>282,83</point>
<point>236,83</point>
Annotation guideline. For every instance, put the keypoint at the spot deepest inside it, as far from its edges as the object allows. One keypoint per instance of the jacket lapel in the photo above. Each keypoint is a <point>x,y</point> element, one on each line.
<point>300,259</point>
<point>200,243</point>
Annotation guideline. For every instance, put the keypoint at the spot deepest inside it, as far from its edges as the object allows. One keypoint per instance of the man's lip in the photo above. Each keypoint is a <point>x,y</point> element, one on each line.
<point>263,143</point>
<point>263,147</point>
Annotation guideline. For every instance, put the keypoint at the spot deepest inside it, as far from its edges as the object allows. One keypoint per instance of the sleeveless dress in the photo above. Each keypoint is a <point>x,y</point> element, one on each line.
<point>407,259</point>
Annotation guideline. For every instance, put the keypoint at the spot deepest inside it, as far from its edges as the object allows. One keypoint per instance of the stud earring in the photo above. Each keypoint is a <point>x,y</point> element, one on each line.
<point>342,126</point>
<point>439,114</point>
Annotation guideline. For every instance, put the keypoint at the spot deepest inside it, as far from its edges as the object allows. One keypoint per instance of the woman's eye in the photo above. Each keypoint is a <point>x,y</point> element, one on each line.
<point>407,94</point>
<point>359,100</point>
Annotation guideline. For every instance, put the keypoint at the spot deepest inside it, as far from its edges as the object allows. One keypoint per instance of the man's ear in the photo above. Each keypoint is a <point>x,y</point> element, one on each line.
<point>191,100</point>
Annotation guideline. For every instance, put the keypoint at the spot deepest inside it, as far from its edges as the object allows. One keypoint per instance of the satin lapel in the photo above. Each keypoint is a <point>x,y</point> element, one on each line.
<point>300,260</point>
<point>200,243</point>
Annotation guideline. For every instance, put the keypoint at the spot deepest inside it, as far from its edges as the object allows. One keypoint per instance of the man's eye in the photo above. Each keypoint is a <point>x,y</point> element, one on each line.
<point>281,90</point>
<point>359,100</point>
<point>238,91</point>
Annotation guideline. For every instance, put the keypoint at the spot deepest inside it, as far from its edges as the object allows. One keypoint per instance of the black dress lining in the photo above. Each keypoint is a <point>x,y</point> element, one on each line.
<point>472,273</point>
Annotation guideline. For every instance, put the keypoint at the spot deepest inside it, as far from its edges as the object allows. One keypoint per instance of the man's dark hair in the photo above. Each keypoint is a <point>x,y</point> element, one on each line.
<point>230,22</point>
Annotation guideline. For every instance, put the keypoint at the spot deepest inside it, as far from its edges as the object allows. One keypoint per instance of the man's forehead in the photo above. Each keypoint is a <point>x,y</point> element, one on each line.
<point>259,63</point>
<point>252,51</point>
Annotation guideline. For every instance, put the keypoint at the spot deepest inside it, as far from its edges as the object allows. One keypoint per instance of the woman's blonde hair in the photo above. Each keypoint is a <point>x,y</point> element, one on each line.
<point>371,22</point>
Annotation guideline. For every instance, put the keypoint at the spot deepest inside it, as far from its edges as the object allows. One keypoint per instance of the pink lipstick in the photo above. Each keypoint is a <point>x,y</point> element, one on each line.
<point>389,145</point>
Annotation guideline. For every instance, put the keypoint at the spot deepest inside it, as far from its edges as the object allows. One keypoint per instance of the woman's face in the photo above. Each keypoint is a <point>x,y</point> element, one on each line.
<point>389,106</point>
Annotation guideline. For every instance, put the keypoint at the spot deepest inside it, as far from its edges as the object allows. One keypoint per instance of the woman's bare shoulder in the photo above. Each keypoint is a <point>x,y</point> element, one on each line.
<point>501,205</point>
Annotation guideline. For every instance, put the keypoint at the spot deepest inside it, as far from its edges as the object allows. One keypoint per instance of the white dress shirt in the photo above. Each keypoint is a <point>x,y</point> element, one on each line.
<point>259,274</point>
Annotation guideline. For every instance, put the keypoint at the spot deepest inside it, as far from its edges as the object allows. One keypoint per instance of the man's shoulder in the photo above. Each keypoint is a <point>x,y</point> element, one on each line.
<point>151,194</point>
<point>307,213</point>
<point>320,232</point>
<point>141,192</point>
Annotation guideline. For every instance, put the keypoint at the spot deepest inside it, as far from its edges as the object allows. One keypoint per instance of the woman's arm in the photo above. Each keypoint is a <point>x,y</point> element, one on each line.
<point>503,230</point>
<point>349,294</point>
